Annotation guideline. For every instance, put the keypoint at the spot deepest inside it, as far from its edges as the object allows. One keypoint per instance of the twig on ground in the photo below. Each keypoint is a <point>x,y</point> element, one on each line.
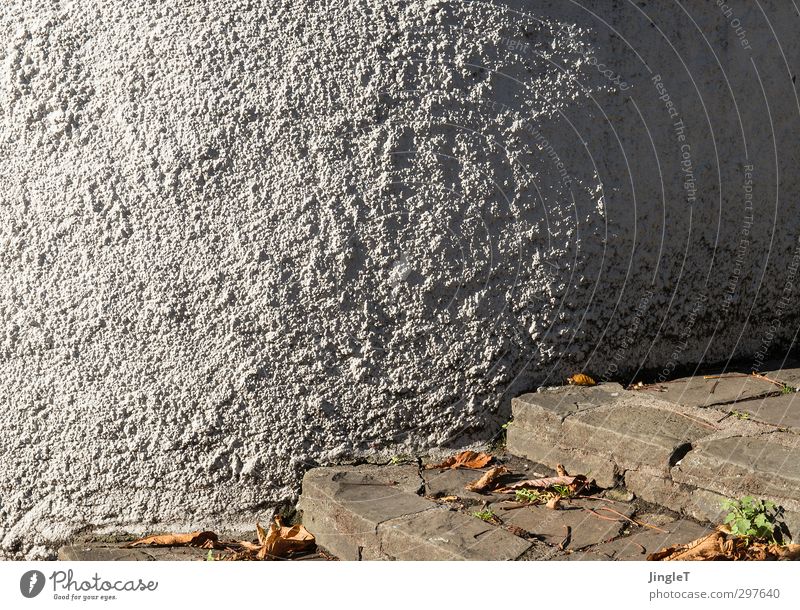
<point>634,521</point>
<point>567,538</point>
<point>599,516</point>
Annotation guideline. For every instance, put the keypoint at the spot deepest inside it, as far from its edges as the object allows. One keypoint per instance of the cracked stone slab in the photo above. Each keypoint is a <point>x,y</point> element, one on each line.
<point>637,546</point>
<point>118,552</point>
<point>544,411</point>
<point>658,488</point>
<point>363,513</point>
<point>618,432</point>
<point>633,434</point>
<point>782,411</point>
<point>527,443</point>
<point>767,465</point>
<point>440,534</point>
<point>343,506</point>
<point>699,392</point>
<point>585,529</point>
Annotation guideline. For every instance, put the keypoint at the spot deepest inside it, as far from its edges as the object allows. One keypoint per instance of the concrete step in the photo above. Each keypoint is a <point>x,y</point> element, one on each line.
<point>686,445</point>
<point>399,512</point>
<point>375,512</point>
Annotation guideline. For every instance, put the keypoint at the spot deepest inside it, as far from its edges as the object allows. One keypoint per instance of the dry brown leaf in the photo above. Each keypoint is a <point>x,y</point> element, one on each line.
<point>261,534</point>
<point>561,471</point>
<point>554,503</point>
<point>720,545</point>
<point>206,540</point>
<point>448,498</point>
<point>581,379</point>
<point>465,459</point>
<point>547,482</point>
<point>488,481</point>
<point>790,551</point>
<point>249,546</point>
<point>707,548</point>
<point>281,541</point>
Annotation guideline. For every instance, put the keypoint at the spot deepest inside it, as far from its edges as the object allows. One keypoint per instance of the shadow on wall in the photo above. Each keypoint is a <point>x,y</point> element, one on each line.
<point>236,243</point>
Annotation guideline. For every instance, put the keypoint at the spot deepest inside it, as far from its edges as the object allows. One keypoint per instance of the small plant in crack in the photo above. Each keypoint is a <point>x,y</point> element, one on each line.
<point>787,389</point>
<point>532,496</point>
<point>753,519</point>
<point>563,490</point>
<point>540,496</point>
<point>740,414</point>
<point>487,515</point>
<point>500,439</point>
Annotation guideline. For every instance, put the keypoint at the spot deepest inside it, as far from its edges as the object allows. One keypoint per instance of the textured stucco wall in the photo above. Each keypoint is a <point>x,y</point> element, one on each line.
<point>242,237</point>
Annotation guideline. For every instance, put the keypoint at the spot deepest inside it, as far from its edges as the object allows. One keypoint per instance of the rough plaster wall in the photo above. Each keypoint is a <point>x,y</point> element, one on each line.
<point>242,237</point>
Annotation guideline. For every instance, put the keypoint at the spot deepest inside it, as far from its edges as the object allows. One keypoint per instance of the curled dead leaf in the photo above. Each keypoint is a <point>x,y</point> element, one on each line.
<point>790,551</point>
<point>280,541</point>
<point>488,481</point>
<point>554,503</point>
<point>465,459</point>
<point>561,471</point>
<point>703,549</point>
<point>581,379</point>
<point>721,545</point>
<point>205,540</point>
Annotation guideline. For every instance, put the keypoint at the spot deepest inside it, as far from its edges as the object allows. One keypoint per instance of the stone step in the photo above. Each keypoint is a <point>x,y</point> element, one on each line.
<point>670,448</point>
<point>722,390</point>
<point>372,512</point>
<point>377,513</point>
<point>100,551</point>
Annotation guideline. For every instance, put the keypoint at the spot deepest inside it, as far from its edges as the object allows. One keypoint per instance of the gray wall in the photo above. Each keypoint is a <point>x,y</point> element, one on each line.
<point>240,238</point>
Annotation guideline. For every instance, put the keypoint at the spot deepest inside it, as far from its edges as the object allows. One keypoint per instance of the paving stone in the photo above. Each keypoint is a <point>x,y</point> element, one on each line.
<point>658,519</point>
<point>440,534</point>
<point>619,494</point>
<point>118,552</point>
<point>550,525</point>
<point>659,488</point>
<point>782,411</point>
<point>633,434</point>
<point>342,506</point>
<point>765,465</point>
<point>359,513</point>
<point>450,482</point>
<point>699,392</point>
<point>521,441</point>
<point>524,468</point>
<point>638,545</point>
<point>617,433</point>
<point>544,411</point>
<point>580,556</point>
